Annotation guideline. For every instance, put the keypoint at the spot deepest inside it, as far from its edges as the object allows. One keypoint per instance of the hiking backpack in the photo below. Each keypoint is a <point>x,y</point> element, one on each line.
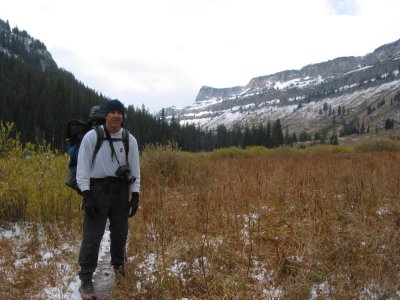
<point>74,133</point>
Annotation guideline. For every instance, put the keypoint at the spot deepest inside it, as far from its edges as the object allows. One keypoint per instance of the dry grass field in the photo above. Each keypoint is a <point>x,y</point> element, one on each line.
<point>317,223</point>
<point>279,226</point>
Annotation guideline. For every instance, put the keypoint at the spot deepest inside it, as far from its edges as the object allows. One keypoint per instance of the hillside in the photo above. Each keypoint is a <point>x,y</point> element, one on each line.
<point>36,95</point>
<point>308,99</point>
<point>39,98</point>
<point>341,95</point>
<point>357,139</point>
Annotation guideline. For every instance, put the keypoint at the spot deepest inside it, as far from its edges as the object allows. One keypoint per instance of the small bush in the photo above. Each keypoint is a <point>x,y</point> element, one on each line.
<point>9,140</point>
<point>378,146</point>
<point>327,149</point>
<point>162,159</point>
<point>256,150</point>
<point>13,202</point>
<point>233,152</point>
<point>168,163</point>
<point>226,152</point>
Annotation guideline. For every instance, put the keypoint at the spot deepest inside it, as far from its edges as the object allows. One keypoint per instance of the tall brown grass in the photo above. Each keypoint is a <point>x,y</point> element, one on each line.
<point>262,225</point>
<point>233,224</point>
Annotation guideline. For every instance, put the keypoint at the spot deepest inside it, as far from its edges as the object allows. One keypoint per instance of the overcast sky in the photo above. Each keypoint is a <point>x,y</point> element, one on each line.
<point>160,52</point>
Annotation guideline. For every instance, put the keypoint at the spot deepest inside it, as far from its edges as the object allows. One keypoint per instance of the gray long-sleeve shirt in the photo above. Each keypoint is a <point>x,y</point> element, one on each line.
<point>105,165</point>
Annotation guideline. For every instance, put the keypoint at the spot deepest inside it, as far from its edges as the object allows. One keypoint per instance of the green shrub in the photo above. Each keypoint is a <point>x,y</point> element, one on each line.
<point>226,152</point>
<point>32,182</point>
<point>8,143</point>
<point>327,149</point>
<point>13,202</point>
<point>378,146</point>
<point>256,150</point>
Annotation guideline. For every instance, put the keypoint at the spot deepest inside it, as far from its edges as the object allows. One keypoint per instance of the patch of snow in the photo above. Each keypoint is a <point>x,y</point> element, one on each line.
<point>178,268</point>
<point>358,70</point>
<point>248,220</point>
<point>148,266</point>
<point>372,292</point>
<point>383,211</point>
<point>321,290</point>
<point>244,91</point>
<point>201,262</point>
<point>15,231</point>
<point>47,255</point>
<point>273,293</point>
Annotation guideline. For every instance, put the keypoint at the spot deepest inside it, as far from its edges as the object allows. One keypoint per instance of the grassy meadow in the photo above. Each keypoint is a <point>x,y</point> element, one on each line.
<point>315,223</point>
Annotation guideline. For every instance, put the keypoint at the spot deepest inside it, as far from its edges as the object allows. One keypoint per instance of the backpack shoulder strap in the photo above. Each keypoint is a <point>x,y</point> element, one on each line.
<point>125,140</point>
<point>99,141</point>
<point>101,137</point>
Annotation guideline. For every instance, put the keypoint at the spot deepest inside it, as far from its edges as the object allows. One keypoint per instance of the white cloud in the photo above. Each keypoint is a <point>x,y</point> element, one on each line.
<point>161,52</point>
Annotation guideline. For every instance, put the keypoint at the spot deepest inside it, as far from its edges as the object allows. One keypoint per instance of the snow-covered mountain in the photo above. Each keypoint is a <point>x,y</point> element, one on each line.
<point>306,99</point>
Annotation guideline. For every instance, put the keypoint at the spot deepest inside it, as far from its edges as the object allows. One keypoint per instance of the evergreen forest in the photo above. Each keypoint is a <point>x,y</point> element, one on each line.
<point>39,98</point>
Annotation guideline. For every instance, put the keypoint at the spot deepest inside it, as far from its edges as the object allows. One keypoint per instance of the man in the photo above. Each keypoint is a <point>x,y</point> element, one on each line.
<point>106,190</point>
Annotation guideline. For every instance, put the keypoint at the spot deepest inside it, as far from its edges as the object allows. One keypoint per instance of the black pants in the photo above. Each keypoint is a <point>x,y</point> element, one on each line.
<point>111,201</point>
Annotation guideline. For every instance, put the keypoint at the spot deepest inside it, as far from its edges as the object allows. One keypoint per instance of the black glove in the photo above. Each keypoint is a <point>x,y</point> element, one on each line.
<point>133,204</point>
<point>88,204</point>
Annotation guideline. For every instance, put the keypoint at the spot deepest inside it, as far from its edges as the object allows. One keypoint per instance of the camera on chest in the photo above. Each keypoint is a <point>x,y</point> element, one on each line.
<point>124,172</point>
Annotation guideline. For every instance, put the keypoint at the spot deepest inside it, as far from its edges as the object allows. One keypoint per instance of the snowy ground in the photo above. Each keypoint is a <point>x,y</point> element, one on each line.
<point>59,260</point>
<point>18,236</point>
<point>49,259</point>
<point>66,286</point>
<point>104,260</point>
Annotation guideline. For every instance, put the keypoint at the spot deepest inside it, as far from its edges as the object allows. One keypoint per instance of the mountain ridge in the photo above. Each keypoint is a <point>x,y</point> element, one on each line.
<point>291,91</point>
<point>32,51</point>
<point>336,66</point>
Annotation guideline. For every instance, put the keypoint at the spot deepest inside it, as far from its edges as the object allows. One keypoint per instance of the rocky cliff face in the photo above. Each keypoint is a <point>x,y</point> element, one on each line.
<point>292,95</point>
<point>207,93</point>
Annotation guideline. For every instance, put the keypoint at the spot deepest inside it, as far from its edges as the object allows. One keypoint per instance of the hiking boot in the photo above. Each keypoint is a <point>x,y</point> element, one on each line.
<point>87,290</point>
<point>119,272</point>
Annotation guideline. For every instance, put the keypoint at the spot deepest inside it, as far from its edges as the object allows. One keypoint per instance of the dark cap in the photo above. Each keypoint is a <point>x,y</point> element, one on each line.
<point>114,105</point>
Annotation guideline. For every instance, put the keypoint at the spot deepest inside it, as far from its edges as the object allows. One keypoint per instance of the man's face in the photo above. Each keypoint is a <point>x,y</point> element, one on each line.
<point>114,120</point>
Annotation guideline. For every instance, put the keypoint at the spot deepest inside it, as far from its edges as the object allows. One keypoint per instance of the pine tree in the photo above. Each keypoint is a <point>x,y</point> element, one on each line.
<point>222,136</point>
<point>389,124</point>
<point>287,137</point>
<point>268,133</point>
<point>334,139</point>
<point>247,137</point>
<point>277,135</point>
<point>294,138</point>
<point>362,129</point>
<point>317,136</point>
